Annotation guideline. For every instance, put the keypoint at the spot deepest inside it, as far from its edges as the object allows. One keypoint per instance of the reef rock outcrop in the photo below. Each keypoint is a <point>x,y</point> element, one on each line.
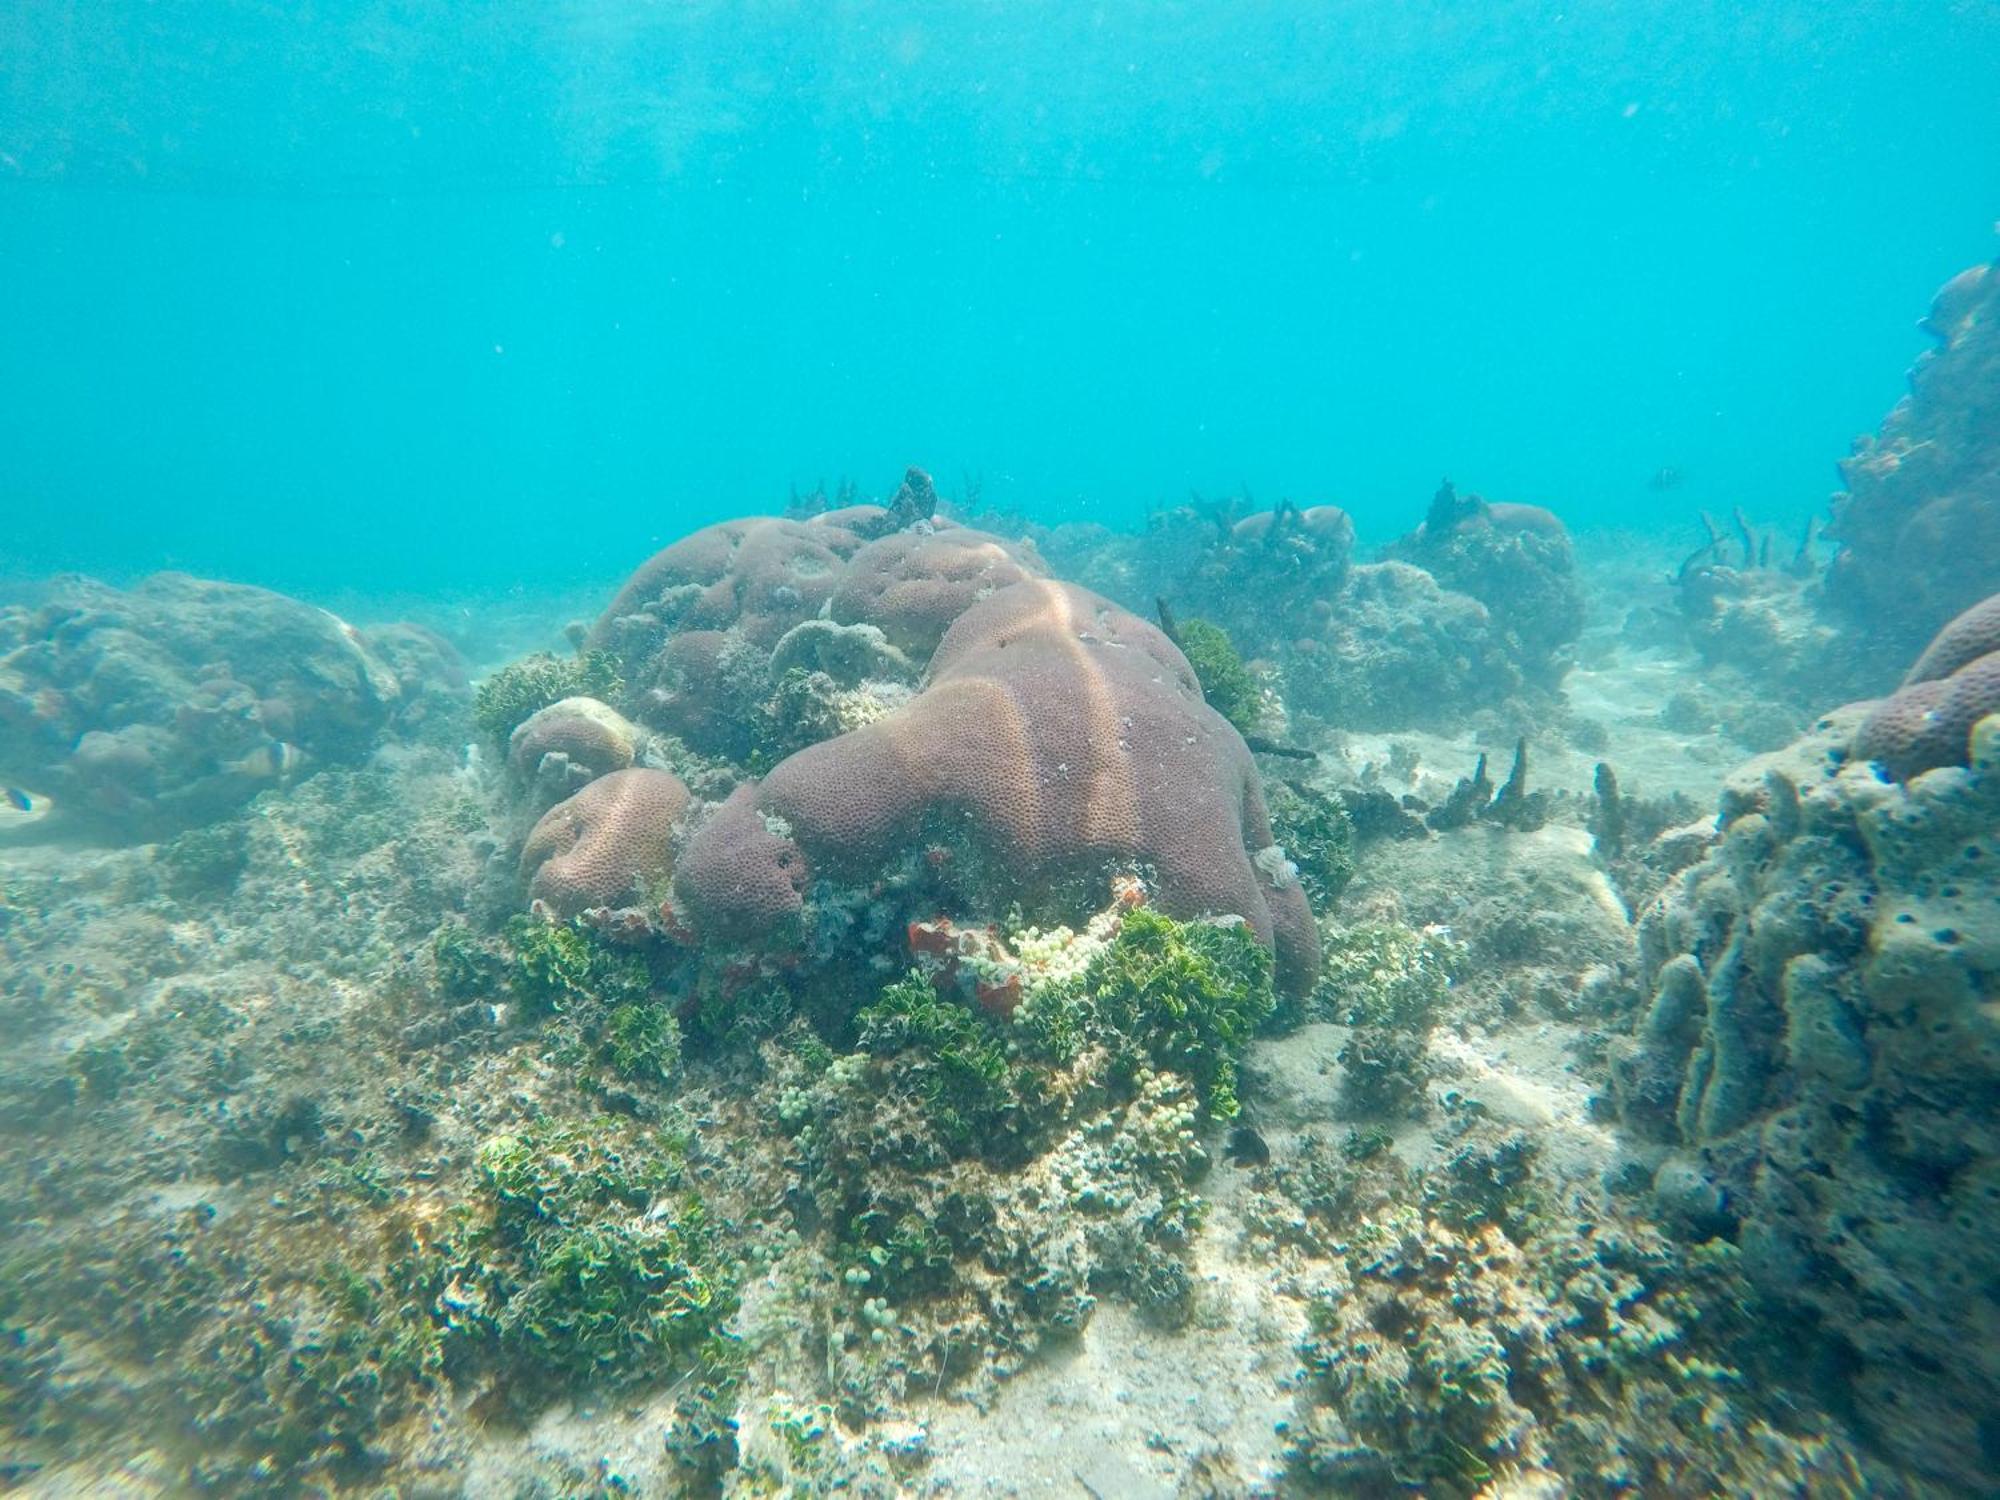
<point>1396,650</point>
<point>1819,1066</point>
<point>1058,739</point>
<point>143,711</point>
<point>1919,523</point>
<point>1517,562</point>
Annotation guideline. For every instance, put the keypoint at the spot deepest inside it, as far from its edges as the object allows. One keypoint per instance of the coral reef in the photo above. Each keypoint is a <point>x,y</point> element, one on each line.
<point>1928,721</point>
<point>1919,523</point>
<point>142,711</point>
<point>608,845</point>
<point>1818,1064</point>
<point>1058,739</point>
<point>1516,561</point>
<point>911,585</point>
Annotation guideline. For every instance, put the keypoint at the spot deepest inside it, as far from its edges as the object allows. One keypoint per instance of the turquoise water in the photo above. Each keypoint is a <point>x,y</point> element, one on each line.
<point>399,297</point>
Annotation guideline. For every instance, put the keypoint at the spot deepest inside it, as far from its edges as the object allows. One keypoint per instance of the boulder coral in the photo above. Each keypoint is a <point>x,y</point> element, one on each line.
<point>146,710</point>
<point>1057,739</point>
<point>1514,559</point>
<point>560,748</point>
<point>609,845</point>
<point>1928,721</point>
<point>912,584</point>
<point>1919,522</point>
<point>692,628</point>
<point>1818,1066</point>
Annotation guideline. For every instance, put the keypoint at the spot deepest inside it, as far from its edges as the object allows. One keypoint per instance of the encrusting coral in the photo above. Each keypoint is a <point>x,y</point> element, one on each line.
<point>1057,737</point>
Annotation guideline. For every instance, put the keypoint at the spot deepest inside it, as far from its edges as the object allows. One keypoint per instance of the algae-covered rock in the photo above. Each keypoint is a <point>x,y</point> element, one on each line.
<point>1822,1054</point>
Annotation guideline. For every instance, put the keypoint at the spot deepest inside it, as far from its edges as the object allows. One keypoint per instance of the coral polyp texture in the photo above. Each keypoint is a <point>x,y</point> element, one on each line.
<point>1919,523</point>
<point>1058,739</point>
<point>1820,1061</point>
<point>1928,721</point>
<point>912,584</point>
<point>692,629</point>
<point>606,846</point>
<point>144,710</point>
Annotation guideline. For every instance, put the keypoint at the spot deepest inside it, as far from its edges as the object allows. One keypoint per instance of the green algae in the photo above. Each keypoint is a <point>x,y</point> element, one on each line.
<point>1317,835</point>
<point>592,1257</point>
<point>507,698</point>
<point>971,1091</point>
<point>1230,687</point>
<point>1184,996</point>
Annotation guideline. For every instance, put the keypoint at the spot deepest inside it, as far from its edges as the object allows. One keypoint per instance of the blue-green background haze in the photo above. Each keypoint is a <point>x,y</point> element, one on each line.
<point>402,296</point>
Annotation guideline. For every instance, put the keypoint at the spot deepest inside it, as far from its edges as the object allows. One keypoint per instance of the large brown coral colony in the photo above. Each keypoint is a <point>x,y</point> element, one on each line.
<point>1058,737</point>
<point>1928,721</point>
<point>693,628</point>
<point>1920,521</point>
<point>158,707</point>
<point>1820,1060</point>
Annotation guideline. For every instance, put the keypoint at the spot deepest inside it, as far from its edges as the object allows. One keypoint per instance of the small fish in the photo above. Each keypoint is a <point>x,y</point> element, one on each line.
<point>1246,1147</point>
<point>1664,479</point>
<point>21,809</point>
<point>273,760</point>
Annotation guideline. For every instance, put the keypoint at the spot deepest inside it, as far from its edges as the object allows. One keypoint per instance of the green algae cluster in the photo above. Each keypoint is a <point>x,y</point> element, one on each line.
<point>1179,997</point>
<point>913,1147</point>
<point>1314,830</point>
<point>1386,982</point>
<point>590,1255</point>
<point>519,689</point>
<point>600,997</point>
<point>1230,687</point>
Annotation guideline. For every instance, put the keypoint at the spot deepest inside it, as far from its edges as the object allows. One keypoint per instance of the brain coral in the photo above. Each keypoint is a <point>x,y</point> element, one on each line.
<point>1928,721</point>
<point>913,584</point>
<point>570,742</point>
<point>607,845</point>
<point>1058,736</point>
<point>759,576</point>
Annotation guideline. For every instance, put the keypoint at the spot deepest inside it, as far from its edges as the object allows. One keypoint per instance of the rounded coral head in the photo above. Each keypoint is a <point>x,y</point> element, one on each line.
<point>1928,722</point>
<point>1058,737</point>
<point>609,845</point>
